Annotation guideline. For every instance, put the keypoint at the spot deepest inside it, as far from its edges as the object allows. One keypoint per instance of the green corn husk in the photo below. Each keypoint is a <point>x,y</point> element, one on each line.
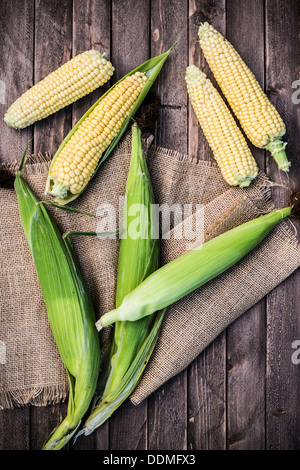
<point>70,311</point>
<point>151,68</point>
<point>193,269</point>
<point>133,342</point>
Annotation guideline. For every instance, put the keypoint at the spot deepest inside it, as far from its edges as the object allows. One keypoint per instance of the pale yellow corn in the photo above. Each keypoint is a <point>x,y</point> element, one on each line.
<point>229,146</point>
<point>73,80</point>
<point>78,159</point>
<point>258,117</point>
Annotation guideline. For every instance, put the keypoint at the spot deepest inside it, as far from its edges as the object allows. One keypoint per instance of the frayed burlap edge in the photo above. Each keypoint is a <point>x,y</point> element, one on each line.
<point>37,396</point>
<point>38,164</point>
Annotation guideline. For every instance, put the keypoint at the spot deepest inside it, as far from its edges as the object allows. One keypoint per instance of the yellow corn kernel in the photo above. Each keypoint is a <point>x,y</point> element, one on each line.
<point>73,80</point>
<point>229,146</point>
<point>259,119</point>
<point>93,136</point>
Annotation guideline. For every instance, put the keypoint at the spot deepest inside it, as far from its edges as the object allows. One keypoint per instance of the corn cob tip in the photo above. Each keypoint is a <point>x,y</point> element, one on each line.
<point>117,314</point>
<point>58,189</point>
<point>205,30</point>
<point>193,73</point>
<point>98,325</point>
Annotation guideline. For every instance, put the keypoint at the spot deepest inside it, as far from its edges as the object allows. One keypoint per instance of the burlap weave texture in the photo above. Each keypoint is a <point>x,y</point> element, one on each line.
<point>31,370</point>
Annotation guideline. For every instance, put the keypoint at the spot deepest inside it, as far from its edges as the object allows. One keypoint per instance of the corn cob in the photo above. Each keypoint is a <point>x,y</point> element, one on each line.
<point>97,133</point>
<point>73,80</point>
<point>76,163</point>
<point>69,308</point>
<point>139,256</point>
<point>229,146</point>
<point>258,117</point>
<point>193,269</point>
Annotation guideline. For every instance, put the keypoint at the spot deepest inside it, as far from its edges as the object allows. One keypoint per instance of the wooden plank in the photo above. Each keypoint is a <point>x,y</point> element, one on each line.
<point>53,47</point>
<point>15,429</point>
<point>130,38</point>
<point>91,30</point>
<point>205,378</point>
<point>167,429</point>
<point>16,46</point>
<point>246,336</point>
<point>246,381</point>
<point>206,398</point>
<point>283,326</point>
<point>126,56</point>
<point>283,384</point>
<point>16,74</point>
<point>128,427</point>
<point>168,406</point>
<point>207,374</point>
<point>200,11</point>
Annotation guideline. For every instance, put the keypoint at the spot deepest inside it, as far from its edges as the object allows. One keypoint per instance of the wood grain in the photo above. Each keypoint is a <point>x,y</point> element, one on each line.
<point>207,375</point>
<point>283,325</point>
<point>167,409</point>
<point>91,30</point>
<point>243,391</point>
<point>16,53</point>
<point>246,336</point>
<point>207,398</point>
<point>215,13</point>
<point>52,48</point>
<point>127,426</point>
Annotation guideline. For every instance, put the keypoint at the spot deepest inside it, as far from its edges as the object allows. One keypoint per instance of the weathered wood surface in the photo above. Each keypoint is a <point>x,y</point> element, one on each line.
<point>243,391</point>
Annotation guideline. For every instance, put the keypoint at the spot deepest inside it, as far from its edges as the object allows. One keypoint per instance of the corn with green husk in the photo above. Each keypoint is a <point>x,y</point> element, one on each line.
<point>259,119</point>
<point>70,82</point>
<point>97,133</point>
<point>139,256</point>
<point>190,271</point>
<point>69,308</point>
<point>227,142</point>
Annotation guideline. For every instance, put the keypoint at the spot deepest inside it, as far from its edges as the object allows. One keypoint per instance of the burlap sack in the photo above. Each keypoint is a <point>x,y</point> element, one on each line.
<point>30,367</point>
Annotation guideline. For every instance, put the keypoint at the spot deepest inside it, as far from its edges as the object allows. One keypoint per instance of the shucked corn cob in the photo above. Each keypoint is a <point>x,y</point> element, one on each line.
<point>97,133</point>
<point>229,146</point>
<point>73,80</point>
<point>139,256</point>
<point>258,117</point>
<point>77,161</point>
<point>69,308</point>
<point>193,269</point>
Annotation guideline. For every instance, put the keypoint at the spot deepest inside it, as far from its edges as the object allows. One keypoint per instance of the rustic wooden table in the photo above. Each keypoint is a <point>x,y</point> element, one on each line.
<point>243,391</point>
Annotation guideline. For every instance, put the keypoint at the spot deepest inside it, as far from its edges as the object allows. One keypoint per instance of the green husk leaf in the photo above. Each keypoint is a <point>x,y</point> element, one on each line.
<point>151,68</point>
<point>108,405</point>
<point>69,308</point>
<point>277,149</point>
<point>190,271</point>
<point>92,234</point>
<point>139,256</point>
<point>66,208</point>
